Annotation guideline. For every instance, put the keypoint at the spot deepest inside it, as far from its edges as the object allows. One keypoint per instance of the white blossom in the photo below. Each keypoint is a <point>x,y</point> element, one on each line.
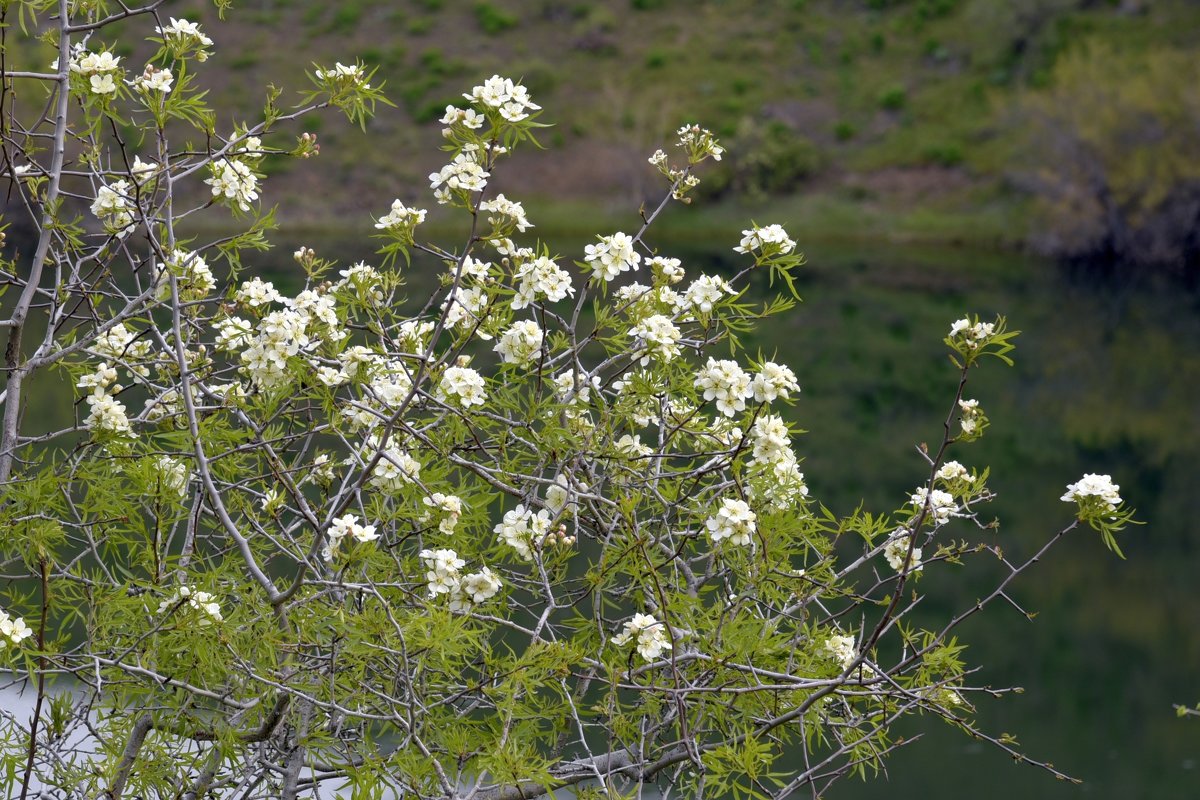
<point>464,173</point>
<point>257,292</point>
<point>463,383</point>
<point>771,240</point>
<point>540,276</point>
<point>520,343</point>
<point>173,475</point>
<point>522,529</point>
<point>699,142</point>
<point>186,35</point>
<point>107,414</point>
<point>233,333</point>
<point>1096,486</point>
<point>733,521</point>
<point>188,597</point>
<point>667,269</point>
<point>351,74</point>
<point>954,471</point>
<point>772,382</point>
<point>705,292</point>
<point>234,182</point>
<point>970,414</point>
<point>449,506</point>
<point>465,308</point>
<point>770,438</point>
<point>897,548</point>
<point>142,171</point>
<point>13,630</point>
<point>441,573</point>
<point>102,84</point>
<point>612,256</point>
<point>104,377</point>
<point>467,117</point>
<point>512,100</point>
<point>727,383</point>
<point>649,635</point>
<point>401,217</point>
<point>114,205</point>
<point>474,588</point>
<point>941,504</point>
<point>344,527</point>
<point>778,484</point>
<point>841,649</point>
<point>193,279</point>
<point>395,469</point>
<point>414,334</point>
<point>972,335</point>
<point>658,336</point>
<point>506,211</point>
<point>153,80</point>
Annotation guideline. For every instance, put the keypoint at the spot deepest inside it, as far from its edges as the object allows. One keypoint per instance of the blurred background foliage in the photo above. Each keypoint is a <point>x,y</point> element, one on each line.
<point>1066,127</point>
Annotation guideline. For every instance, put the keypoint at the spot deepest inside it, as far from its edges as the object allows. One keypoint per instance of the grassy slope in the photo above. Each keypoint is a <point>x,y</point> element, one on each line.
<point>898,110</point>
<point>904,103</point>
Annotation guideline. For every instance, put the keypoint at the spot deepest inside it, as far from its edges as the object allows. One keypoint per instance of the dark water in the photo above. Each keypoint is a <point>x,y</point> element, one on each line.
<point>1106,380</point>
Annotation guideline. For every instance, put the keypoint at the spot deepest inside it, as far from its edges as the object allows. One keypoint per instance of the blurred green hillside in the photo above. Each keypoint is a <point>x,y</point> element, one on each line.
<point>1067,126</point>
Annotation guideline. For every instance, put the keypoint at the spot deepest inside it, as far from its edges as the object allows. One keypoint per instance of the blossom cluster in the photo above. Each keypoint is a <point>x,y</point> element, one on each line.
<point>153,79</point>
<point>106,413</point>
<point>657,337</point>
<point>510,100</point>
<point>520,343</point>
<point>184,37</point>
<point>727,383</point>
<point>347,527</point>
<point>467,118</point>
<point>444,577</point>
<point>699,144</point>
<point>896,551</point>
<point>769,241</point>
<point>1094,489</point>
<point>505,213</point>
<point>971,335</point>
<point>234,182</point>
<point>841,649</point>
<point>463,384</point>
<point>448,506</point>
<point>733,521</point>
<point>465,174</point>
<point>173,475</point>
<point>13,630</point>
<point>401,218</point>
<point>188,597</point>
<point>523,529</point>
<point>537,277</point>
<point>971,418</point>
<point>100,69</point>
<point>114,205</point>
<point>611,256</point>
<point>941,504</point>
<point>344,76</point>
<point>648,634</point>
<point>774,472</point>
<point>193,278</point>
<point>395,468</point>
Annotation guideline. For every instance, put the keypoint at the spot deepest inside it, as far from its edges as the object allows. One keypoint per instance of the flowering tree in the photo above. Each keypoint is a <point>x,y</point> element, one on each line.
<point>529,534</point>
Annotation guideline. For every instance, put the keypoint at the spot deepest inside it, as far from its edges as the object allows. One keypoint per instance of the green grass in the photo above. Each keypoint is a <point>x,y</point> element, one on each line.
<point>868,87</point>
